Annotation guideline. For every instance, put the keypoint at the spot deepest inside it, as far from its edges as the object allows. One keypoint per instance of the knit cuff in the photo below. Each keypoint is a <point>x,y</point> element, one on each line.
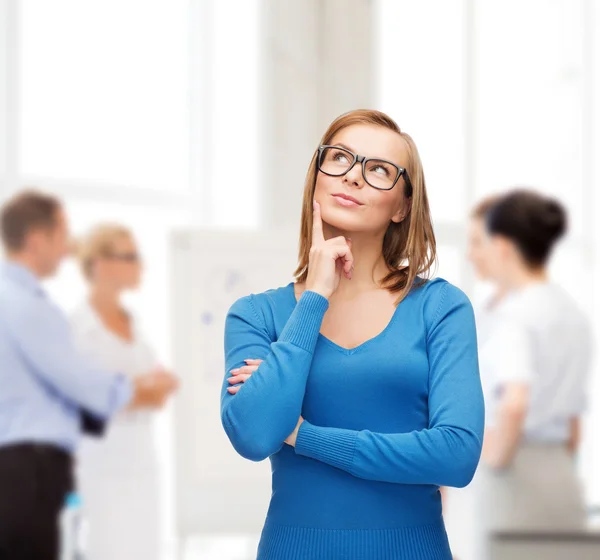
<point>333,446</point>
<point>304,324</point>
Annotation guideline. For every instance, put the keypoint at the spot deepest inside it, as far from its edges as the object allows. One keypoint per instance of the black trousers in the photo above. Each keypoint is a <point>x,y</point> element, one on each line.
<point>34,480</point>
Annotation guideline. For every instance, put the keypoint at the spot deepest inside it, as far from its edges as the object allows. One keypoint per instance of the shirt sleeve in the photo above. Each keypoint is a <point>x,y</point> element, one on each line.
<point>513,352</point>
<point>266,409</point>
<point>447,452</point>
<point>43,336</point>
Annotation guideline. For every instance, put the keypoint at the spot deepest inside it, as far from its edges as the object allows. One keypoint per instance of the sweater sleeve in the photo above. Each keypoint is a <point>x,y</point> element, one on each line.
<point>447,452</point>
<point>265,410</point>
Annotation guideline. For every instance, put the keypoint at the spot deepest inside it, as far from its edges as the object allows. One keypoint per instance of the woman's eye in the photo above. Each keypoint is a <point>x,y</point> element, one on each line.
<point>341,157</point>
<point>380,169</point>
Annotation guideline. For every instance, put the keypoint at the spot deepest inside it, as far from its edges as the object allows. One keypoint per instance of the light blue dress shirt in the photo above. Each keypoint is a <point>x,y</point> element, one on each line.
<point>44,380</point>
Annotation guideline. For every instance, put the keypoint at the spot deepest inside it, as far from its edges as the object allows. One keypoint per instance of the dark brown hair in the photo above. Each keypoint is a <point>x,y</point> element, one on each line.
<point>26,211</point>
<point>409,247</point>
<point>532,221</point>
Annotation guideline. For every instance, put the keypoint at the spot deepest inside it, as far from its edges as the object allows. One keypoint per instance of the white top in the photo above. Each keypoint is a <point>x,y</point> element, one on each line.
<point>538,336</point>
<point>128,444</point>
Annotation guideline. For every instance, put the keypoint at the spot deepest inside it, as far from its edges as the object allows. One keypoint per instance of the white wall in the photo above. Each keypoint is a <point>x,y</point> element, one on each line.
<point>317,64</point>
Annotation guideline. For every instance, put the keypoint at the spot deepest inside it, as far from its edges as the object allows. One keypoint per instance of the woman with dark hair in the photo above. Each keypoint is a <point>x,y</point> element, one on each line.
<point>360,379</point>
<point>535,363</point>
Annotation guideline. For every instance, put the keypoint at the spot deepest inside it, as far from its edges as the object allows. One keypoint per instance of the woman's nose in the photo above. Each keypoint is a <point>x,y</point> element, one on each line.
<point>354,175</point>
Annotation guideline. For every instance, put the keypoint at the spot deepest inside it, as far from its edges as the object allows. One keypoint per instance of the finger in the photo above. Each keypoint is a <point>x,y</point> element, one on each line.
<point>247,369</point>
<point>233,390</point>
<point>343,253</point>
<point>244,369</point>
<point>349,268</point>
<point>235,379</point>
<point>317,231</point>
<point>253,362</point>
<point>349,265</point>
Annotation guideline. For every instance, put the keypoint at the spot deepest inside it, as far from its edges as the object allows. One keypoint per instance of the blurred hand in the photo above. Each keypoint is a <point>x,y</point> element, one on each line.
<point>241,374</point>
<point>327,259</point>
<point>291,440</point>
<point>153,389</point>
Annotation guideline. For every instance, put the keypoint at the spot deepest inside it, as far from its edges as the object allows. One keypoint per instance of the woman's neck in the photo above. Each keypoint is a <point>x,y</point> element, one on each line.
<point>105,300</point>
<point>523,277</point>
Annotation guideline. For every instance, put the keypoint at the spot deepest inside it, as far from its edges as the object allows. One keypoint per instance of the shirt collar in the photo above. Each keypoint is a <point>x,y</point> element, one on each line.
<point>87,319</point>
<point>22,276</point>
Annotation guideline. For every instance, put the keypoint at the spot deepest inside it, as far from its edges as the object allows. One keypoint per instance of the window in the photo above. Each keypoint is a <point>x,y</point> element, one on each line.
<point>233,168</point>
<point>421,83</point>
<point>530,99</point>
<point>104,92</point>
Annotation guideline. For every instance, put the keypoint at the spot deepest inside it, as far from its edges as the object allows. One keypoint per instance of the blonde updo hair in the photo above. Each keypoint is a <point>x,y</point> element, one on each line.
<point>97,243</point>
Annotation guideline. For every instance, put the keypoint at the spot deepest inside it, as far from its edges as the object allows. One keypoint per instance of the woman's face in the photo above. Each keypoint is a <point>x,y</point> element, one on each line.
<point>348,203</point>
<point>121,268</point>
<point>480,252</point>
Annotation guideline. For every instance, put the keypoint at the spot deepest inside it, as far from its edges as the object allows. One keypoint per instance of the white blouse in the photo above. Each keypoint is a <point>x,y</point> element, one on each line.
<point>129,440</point>
<point>538,335</point>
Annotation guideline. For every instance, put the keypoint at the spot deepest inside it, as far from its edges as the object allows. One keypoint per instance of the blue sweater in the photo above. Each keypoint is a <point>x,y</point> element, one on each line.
<point>387,423</point>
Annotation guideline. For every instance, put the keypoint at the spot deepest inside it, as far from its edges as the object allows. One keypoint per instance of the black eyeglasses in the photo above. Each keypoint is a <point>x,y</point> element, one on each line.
<point>381,174</point>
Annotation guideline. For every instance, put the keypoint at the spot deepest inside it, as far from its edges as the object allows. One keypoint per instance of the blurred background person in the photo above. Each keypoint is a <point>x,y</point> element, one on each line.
<point>479,253</point>
<point>124,464</point>
<point>46,382</point>
<point>535,360</point>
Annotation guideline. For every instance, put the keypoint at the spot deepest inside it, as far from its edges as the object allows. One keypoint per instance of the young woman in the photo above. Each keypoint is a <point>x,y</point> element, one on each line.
<point>117,474</point>
<point>360,380</point>
<point>538,356</point>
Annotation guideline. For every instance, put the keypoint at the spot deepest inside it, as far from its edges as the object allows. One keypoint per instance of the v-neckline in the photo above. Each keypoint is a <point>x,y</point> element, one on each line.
<point>348,351</point>
<point>127,342</point>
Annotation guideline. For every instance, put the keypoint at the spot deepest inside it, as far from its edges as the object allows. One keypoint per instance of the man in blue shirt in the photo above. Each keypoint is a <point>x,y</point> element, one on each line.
<point>45,384</point>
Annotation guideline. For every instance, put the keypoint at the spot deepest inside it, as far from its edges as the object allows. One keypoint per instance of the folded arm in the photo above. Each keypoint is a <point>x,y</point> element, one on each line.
<point>447,452</point>
<point>265,410</point>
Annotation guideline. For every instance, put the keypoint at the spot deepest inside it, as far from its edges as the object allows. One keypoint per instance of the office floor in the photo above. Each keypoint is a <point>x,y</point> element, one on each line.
<point>221,547</point>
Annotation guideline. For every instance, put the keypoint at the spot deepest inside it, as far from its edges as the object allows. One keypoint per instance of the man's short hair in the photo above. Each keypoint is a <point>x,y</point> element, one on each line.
<point>26,211</point>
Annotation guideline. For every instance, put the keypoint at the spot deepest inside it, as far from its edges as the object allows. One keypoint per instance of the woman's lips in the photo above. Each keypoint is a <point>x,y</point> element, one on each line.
<point>346,201</point>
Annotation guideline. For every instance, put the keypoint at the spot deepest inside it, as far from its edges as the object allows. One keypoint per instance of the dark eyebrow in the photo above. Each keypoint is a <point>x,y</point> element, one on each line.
<point>339,144</point>
<point>346,147</point>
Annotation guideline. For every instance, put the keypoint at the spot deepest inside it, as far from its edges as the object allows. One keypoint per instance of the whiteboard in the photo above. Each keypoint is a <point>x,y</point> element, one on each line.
<point>216,490</point>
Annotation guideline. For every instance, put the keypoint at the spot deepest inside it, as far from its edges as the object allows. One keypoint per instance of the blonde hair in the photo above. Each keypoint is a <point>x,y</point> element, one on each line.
<point>97,243</point>
<point>409,247</point>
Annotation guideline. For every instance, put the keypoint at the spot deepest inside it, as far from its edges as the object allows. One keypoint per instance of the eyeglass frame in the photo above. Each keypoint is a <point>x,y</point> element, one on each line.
<point>362,160</point>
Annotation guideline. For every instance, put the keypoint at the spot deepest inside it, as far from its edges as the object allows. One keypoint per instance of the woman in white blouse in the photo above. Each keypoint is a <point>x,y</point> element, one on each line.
<point>117,474</point>
<point>535,361</point>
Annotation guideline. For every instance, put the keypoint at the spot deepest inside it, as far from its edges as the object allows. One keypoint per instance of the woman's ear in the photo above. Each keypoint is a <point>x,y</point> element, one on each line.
<point>402,211</point>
